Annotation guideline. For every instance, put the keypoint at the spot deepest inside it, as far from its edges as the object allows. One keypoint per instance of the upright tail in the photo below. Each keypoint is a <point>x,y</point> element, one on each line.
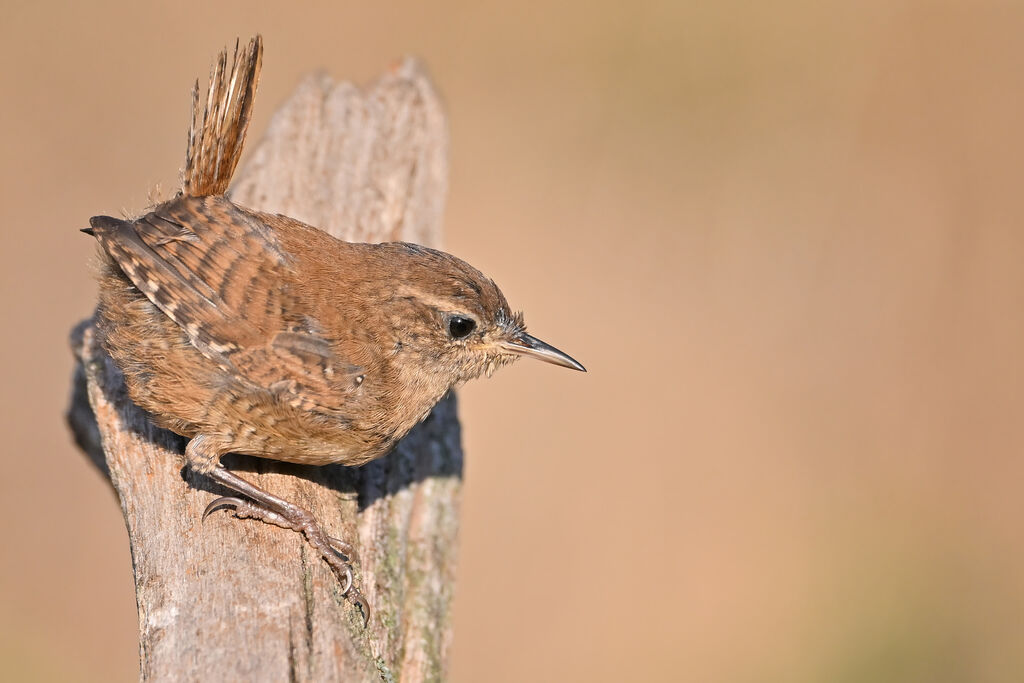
<point>217,132</point>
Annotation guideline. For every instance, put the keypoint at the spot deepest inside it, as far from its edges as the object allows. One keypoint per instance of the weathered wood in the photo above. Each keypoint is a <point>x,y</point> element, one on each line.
<point>233,599</point>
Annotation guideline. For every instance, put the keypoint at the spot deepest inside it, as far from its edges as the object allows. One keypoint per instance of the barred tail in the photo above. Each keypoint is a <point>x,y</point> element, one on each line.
<point>217,132</point>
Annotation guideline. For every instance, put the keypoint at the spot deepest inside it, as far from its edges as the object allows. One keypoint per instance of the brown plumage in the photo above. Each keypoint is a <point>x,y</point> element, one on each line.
<point>254,333</point>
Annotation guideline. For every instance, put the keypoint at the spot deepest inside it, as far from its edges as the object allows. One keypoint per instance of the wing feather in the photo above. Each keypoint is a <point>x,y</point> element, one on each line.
<point>222,276</point>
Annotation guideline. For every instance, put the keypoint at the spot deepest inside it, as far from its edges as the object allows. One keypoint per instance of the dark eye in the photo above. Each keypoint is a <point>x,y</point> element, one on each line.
<point>460,327</point>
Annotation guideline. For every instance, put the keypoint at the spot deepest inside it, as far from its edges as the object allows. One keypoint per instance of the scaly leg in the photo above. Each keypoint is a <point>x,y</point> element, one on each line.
<point>269,508</point>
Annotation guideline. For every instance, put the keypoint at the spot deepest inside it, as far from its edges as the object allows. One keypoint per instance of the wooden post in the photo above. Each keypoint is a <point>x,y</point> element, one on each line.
<point>234,599</point>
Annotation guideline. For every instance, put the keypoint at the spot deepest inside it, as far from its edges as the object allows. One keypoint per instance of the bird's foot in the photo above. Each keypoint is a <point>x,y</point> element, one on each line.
<point>338,554</point>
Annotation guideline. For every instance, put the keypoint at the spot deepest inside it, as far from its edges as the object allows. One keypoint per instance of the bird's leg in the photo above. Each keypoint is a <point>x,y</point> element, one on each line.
<point>269,508</point>
<point>244,509</point>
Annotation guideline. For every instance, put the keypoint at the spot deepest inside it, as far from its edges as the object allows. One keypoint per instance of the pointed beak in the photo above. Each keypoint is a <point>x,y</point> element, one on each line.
<point>525,345</point>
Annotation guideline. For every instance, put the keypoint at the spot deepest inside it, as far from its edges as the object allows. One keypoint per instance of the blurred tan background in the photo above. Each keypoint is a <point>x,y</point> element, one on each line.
<point>785,238</point>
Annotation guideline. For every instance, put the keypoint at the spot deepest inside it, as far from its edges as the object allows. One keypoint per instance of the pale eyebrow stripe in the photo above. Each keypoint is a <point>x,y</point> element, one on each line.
<point>441,303</point>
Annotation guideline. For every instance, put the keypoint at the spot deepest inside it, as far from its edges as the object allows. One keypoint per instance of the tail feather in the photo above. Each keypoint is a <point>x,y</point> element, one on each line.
<point>217,132</point>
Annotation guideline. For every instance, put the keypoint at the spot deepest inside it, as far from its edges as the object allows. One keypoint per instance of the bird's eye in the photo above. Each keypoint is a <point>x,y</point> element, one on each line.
<point>460,327</point>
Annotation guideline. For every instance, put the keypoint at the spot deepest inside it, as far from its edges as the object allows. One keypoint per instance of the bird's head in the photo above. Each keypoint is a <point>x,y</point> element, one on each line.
<point>461,323</point>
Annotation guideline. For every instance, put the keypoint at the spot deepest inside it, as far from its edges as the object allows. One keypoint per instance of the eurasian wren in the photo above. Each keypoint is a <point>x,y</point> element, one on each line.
<point>253,333</point>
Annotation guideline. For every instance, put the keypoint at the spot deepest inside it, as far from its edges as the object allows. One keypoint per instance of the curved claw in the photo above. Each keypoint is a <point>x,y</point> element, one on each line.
<point>359,601</point>
<point>348,580</point>
<point>223,501</point>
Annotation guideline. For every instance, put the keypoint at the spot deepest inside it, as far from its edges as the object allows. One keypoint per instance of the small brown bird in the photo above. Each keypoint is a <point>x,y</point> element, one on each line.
<point>253,333</point>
